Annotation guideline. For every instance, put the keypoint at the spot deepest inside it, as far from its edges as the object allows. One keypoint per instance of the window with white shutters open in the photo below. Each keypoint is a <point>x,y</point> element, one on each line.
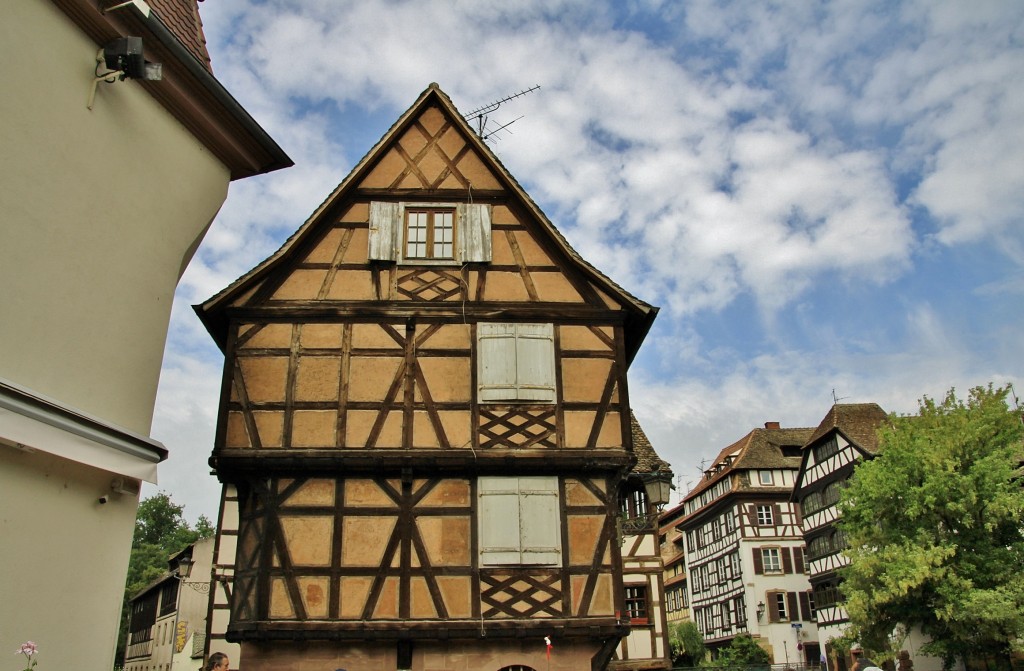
<point>515,363</point>
<point>429,232</point>
<point>519,521</point>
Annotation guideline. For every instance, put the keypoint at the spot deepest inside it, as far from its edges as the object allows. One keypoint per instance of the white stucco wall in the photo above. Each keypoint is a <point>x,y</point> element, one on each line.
<point>100,210</point>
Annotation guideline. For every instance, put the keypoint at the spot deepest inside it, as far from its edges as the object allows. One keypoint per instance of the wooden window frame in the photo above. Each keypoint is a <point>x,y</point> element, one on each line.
<point>763,507</point>
<point>762,479</point>
<point>430,226</point>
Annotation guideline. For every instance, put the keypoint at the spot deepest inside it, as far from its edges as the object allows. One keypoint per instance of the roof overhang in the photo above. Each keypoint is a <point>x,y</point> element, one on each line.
<point>32,422</point>
<point>187,89</point>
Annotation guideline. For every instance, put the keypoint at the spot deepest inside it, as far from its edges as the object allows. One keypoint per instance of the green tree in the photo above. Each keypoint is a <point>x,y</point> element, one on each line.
<point>934,529</point>
<point>160,531</point>
<point>687,643</point>
<point>742,650</point>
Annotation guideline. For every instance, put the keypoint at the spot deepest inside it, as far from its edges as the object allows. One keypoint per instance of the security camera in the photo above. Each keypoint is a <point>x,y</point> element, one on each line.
<point>104,499</point>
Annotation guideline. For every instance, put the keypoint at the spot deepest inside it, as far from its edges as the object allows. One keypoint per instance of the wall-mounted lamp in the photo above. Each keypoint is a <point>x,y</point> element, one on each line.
<point>184,570</point>
<point>658,487</point>
<point>760,610</point>
<point>123,59</point>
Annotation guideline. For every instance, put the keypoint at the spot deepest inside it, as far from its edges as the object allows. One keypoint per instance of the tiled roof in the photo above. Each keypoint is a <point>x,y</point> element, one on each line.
<point>647,460</point>
<point>182,18</point>
<point>859,422</point>
<point>759,449</point>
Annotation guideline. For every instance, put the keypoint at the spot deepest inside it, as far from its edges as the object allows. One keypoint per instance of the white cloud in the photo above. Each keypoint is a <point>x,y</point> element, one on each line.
<point>734,153</point>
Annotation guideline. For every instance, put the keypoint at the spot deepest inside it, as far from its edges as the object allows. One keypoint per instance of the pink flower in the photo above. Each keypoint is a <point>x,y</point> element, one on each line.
<point>27,648</point>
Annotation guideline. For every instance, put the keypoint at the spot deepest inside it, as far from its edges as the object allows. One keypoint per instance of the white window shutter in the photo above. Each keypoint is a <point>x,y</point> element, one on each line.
<point>474,232</point>
<point>535,362</point>
<point>496,361</point>
<point>385,230</point>
<point>498,512</point>
<point>539,517</point>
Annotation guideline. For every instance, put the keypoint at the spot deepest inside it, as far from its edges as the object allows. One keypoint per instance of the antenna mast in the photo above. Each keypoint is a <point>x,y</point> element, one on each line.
<point>480,114</point>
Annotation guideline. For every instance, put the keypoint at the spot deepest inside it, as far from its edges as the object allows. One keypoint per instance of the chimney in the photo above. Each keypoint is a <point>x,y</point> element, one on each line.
<point>772,425</point>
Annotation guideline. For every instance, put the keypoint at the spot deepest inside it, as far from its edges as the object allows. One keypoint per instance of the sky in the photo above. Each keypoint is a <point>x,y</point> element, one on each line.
<point>824,199</point>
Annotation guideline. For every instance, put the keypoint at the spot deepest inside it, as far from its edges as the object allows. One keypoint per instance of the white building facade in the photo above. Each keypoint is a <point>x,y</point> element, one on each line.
<point>744,548</point>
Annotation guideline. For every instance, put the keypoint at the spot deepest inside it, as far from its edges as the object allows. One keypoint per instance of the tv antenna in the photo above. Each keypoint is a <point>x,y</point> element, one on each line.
<point>836,399</point>
<point>480,115</point>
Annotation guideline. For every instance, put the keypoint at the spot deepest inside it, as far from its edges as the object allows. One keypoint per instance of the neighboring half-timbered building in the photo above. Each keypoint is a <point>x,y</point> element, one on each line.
<point>846,435</point>
<point>643,495</point>
<point>424,426</point>
<point>744,547</point>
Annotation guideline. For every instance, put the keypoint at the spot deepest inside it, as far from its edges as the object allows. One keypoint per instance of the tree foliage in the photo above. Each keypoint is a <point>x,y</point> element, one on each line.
<point>934,529</point>
<point>160,531</point>
<point>687,643</point>
<point>742,650</point>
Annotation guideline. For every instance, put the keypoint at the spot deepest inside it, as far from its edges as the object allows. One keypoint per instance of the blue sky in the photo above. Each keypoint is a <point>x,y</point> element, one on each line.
<point>822,198</point>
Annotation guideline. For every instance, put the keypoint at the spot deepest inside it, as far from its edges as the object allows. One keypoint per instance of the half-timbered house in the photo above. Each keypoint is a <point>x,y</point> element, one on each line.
<point>846,436</point>
<point>744,547</point>
<point>673,556</point>
<point>424,426</point>
<point>643,495</point>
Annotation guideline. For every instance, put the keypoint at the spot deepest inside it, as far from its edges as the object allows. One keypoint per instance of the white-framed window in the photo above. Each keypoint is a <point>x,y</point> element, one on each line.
<point>765,518</point>
<point>435,233</point>
<point>515,363</point>
<point>520,523</point>
<point>765,478</point>
<point>771,560</point>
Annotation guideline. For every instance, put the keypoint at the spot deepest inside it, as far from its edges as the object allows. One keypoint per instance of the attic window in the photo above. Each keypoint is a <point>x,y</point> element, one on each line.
<point>436,233</point>
<point>791,450</point>
<point>430,233</point>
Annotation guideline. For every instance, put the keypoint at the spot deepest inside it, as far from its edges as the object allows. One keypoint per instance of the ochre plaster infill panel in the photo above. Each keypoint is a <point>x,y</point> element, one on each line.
<point>449,379</point>
<point>269,336</point>
<point>553,287</point>
<point>301,284</point>
<point>447,539</point>
<point>318,492</point>
<point>584,533</point>
<point>349,285</point>
<point>264,377</point>
<point>372,336</point>
<point>582,338</point>
<point>321,336</point>
<point>364,539</point>
<point>448,493</point>
<point>502,287</point>
<point>457,594</point>
<point>309,539</point>
<point>318,378</point>
<point>584,380</point>
<point>366,493</point>
<point>578,494</point>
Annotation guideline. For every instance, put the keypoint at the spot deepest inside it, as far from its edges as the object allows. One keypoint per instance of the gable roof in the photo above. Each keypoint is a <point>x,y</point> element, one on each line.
<point>640,314</point>
<point>759,449</point>
<point>858,423</point>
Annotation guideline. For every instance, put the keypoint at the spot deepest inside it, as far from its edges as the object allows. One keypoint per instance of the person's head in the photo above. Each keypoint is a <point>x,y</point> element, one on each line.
<point>218,661</point>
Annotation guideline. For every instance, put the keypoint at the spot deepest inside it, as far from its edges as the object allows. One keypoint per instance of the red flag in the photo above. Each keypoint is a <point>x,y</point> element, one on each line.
<point>547,641</point>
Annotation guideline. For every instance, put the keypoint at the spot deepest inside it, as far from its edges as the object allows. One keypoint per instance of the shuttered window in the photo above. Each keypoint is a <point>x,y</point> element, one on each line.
<point>519,521</point>
<point>516,363</point>
<point>429,232</point>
